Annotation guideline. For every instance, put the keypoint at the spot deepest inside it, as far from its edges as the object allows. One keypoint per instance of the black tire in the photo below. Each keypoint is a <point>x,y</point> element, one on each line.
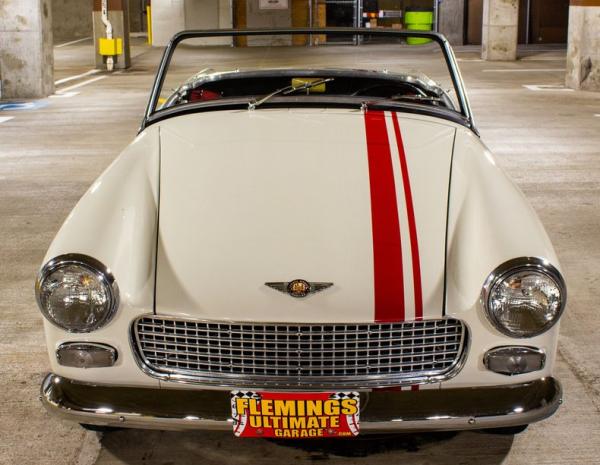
<point>99,428</point>
<point>507,431</point>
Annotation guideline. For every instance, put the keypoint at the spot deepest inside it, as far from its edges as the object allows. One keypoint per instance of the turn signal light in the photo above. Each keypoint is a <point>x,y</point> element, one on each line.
<point>514,360</point>
<point>86,355</point>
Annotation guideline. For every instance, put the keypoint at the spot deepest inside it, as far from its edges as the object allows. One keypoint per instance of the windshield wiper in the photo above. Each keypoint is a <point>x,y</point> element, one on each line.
<point>416,98</point>
<point>252,104</point>
<point>365,104</point>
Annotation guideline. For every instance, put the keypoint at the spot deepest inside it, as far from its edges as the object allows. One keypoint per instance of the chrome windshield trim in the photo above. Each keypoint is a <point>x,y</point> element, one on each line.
<point>299,383</point>
<point>352,103</point>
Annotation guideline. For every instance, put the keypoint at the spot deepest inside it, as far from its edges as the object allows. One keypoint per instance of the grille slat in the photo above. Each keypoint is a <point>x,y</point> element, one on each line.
<point>288,355</point>
<point>216,342</point>
<point>318,362</point>
<point>282,351</point>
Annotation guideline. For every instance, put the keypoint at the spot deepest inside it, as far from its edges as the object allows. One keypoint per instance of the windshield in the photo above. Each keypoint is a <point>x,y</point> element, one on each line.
<point>256,69</point>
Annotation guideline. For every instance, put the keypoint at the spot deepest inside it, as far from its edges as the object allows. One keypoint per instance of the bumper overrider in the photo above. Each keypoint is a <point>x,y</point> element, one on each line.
<point>381,411</point>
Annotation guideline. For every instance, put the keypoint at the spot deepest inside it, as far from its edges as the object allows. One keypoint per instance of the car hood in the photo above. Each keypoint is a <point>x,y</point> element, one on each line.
<point>336,196</point>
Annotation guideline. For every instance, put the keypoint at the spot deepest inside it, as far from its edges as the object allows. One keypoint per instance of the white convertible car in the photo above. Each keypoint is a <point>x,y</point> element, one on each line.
<point>303,241</point>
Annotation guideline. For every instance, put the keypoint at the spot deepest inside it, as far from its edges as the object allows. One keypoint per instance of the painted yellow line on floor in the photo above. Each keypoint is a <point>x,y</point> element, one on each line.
<point>81,84</point>
<point>77,76</point>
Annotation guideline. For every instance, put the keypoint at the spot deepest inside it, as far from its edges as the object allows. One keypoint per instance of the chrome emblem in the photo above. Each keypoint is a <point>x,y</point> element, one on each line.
<point>299,287</point>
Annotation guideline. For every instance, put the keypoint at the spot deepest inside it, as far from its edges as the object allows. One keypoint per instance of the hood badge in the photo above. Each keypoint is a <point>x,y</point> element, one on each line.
<point>299,287</point>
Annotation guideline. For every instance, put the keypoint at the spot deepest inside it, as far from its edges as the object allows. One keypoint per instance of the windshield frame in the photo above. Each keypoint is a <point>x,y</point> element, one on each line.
<point>152,110</point>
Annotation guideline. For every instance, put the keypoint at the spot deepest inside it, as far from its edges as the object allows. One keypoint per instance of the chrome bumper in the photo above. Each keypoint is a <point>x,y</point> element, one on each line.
<point>383,411</point>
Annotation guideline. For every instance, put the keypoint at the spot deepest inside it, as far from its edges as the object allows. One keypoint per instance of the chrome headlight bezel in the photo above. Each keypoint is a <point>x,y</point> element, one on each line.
<point>100,272</point>
<point>512,267</point>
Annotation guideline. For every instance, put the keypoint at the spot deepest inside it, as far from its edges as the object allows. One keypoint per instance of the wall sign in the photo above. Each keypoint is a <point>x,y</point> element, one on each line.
<point>273,4</point>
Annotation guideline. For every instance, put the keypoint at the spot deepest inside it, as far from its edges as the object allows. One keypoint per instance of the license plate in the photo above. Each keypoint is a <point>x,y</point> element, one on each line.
<point>295,415</point>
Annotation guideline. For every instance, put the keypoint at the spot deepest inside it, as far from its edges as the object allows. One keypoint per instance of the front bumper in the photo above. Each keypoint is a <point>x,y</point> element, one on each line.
<point>383,411</point>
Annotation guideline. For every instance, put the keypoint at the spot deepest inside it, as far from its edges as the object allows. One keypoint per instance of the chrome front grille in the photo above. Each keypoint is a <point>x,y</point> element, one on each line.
<point>299,355</point>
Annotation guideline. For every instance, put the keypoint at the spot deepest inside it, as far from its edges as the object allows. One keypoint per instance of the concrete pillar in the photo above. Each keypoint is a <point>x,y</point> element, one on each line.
<point>168,18</point>
<point>71,19</point>
<point>225,14</point>
<point>583,55</point>
<point>451,15</point>
<point>26,53</point>
<point>500,30</point>
<point>118,15</point>
<point>172,16</point>
<point>137,16</point>
<point>208,14</point>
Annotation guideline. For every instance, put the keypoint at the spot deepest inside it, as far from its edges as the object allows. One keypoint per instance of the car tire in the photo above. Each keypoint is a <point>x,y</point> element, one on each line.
<point>99,428</point>
<point>507,431</point>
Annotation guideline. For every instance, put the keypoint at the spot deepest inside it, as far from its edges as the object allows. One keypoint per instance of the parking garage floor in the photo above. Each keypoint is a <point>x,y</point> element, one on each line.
<point>545,136</point>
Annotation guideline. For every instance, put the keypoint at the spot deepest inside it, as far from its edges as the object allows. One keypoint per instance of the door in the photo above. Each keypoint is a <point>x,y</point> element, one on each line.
<point>474,21</point>
<point>549,21</point>
<point>341,13</point>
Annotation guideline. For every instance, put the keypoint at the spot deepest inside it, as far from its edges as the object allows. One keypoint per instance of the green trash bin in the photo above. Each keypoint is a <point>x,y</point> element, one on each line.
<point>418,20</point>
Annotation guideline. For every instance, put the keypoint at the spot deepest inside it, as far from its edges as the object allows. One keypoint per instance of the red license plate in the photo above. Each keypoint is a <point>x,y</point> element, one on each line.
<point>295,415</point>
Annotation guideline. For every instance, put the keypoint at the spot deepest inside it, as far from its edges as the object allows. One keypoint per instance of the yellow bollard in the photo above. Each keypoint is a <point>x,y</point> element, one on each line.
<point>149,20</point>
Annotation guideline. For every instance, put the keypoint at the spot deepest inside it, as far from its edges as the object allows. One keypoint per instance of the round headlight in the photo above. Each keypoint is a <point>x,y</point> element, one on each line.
<point>77,293</point>
<point>524,297</point>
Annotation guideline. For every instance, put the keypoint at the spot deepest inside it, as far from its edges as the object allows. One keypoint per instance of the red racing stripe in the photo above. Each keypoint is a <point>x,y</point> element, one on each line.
<point>387,250</point>
<point>412,226</point>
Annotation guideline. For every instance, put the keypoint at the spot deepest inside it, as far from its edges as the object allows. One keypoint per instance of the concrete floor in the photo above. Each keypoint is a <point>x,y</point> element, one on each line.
<point>548,141</point>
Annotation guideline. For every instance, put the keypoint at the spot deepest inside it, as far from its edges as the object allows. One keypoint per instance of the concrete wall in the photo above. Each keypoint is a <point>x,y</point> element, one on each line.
<point>136,16</point>
<point>583,55</point>
<point>26,52</point>
<point>168,18</point>
<point>267,18</point>
<point>257,18</point>
<point>71,19</point>
<point>172,16</point>
<point>208,14</point>
<point>452,20</point>
<point>201,14</point>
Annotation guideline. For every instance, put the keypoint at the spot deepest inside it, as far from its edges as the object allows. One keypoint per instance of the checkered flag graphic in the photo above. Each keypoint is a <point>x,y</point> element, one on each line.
<point>352,420</point>
<point>344,395</point>
<point>240,421</point>
<point>246,394</point>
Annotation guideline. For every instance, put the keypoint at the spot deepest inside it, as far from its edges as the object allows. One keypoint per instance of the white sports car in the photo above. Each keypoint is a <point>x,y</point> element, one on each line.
<point>295,248</point>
